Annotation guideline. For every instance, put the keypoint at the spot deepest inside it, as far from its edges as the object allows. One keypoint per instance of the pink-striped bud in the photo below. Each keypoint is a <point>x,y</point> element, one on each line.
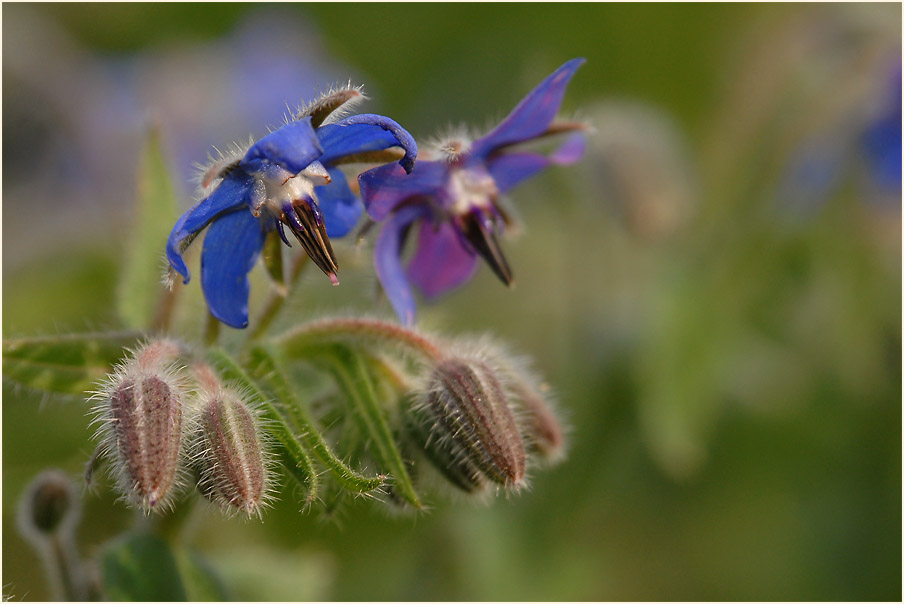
<point>140,416</point>
<point>228,451</point>
<point>542,429</point>
<point>465,424</point>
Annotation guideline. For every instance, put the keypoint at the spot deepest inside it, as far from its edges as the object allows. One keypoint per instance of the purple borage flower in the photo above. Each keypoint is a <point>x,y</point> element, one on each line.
<point>289,178</point>
<point>455,198</point>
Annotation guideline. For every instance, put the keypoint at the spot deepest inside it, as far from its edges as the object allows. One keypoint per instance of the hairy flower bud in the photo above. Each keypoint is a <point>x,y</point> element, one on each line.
<point>465,423</point>
<point>543,432</point>
<point>140,415</point>
<point>228,450</point>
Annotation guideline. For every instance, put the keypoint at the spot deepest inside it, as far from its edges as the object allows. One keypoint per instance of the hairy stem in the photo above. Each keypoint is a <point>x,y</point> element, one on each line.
<point>332,331</point>
<point>268,365</point>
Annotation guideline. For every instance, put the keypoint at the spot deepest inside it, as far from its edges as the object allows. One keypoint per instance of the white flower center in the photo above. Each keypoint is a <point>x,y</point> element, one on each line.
<point>277,186</point>
<point>471,188</point>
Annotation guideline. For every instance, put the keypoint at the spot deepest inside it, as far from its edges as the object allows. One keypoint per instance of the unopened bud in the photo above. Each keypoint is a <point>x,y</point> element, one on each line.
<point>542,430</point>
<point>49,504</point>
<point>140,415</point>
<point>48,513</point>
<point>228,449</point>
<point>472,432</point>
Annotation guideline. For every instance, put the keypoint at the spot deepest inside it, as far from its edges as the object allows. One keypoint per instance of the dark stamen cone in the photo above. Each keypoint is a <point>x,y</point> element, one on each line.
<point>473,423</point>
<point>478,229</point>
<point>310,231</point>
<point>229,455</point>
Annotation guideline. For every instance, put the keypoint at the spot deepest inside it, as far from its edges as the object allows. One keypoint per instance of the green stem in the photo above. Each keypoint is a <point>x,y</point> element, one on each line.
<point>336,331</point>
<point>211,330</point>
<point>267,364</point>
<point>354,379</point>
<point>294,457</point>
<point>277,300</point>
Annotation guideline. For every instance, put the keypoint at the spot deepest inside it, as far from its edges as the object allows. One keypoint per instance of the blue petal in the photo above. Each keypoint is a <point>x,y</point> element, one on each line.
<point>385,187</point>
<point>533,114</point>
<point>232,192</point>
<point>509,169</point>
<point>366,132</point>
<point>341,208</point>
<point>231,248</point>
<point>387,258</point>
<point>292,147</point>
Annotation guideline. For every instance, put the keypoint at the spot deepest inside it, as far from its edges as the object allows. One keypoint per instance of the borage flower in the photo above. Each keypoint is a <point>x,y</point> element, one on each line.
<point>455,198</point>
<point>289,178</point>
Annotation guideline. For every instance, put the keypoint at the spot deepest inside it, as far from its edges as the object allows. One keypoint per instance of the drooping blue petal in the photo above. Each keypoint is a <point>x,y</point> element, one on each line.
<point>366,132</point>
<point>385,187</point>
<point>341,208</point>
<point>509,169</point>
<point>441,262</point>
<point>533,114</point>
<point>292,147</point>
<point>388,262</point>
<point>231,248</point>
<point>231,193</point>
<point>881,140</point>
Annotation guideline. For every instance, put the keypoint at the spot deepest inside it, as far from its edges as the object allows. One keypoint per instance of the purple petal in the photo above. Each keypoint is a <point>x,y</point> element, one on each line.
<point>403,138</point>
<point>385,187</point>
<point>509,169</point>
<point>231,193</point>
<point>341,208</point>
<point>387,258</point>
<point>292,147</point>
<point>231,248</point>
<point>533,114</point>
<point>441,262</point>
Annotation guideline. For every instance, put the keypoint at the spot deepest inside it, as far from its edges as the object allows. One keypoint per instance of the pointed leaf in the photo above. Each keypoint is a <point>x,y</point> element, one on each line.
<point>140,285</point>
<point>66,364</point>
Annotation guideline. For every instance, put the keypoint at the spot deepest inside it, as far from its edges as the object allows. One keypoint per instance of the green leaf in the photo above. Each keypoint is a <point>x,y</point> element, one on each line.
<point>140,289</point>
<point>274,372</point>
<point>354,379</point>
<point>202,583</point>
<point>66,364</point>
<point>142,567</point>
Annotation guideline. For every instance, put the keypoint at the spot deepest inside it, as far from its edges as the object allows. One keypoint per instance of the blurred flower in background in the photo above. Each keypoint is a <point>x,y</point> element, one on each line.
<point>641,166</point>
<point>76,118</point>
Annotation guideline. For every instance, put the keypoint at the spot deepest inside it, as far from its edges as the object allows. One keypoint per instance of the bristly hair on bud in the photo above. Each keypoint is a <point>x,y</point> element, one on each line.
<point>139,410</point>
<point>533,401</point>
<point>228,448</point>
<point>333,104</point>
<point>463,419</point>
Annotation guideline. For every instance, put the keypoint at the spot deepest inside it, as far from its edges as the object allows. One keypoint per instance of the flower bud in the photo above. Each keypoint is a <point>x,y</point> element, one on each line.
<point>140,415</point>
<point>542,430</point>
<point>49,504</point>
<point>227,449</point>
<point>465,423</point>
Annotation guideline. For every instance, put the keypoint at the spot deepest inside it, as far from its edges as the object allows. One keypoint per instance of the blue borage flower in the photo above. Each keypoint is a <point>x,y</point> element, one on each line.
<point>289,178</point>
<point>455,197</point>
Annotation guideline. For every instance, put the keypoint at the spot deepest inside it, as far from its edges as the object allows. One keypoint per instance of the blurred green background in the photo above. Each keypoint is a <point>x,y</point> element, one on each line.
<point>714,291</point>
